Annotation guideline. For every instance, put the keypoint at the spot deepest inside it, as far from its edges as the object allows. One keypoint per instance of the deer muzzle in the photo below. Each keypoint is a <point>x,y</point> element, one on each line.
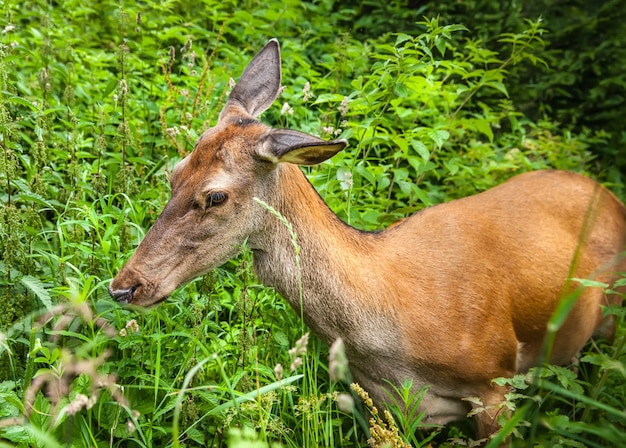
<point>124,296</point>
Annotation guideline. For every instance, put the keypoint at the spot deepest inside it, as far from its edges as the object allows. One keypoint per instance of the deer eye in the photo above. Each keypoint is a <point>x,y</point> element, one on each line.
<point>216,198</point>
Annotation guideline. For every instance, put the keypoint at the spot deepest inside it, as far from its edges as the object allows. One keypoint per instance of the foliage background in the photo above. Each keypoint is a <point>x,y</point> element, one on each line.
<point>438,99</point>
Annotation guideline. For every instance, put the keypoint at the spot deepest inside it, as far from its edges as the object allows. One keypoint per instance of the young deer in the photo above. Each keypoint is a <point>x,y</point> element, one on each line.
<point>451,297</point>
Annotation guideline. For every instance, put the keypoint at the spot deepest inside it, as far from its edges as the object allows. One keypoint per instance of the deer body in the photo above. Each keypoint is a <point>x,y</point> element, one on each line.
<point>451,297</point>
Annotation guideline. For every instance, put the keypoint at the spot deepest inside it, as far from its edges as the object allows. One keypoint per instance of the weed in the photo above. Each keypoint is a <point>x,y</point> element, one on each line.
<point>96,105</point>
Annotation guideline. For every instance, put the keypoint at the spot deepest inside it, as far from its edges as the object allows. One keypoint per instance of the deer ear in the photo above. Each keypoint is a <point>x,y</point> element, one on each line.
<point>259,84</point>
<point>284,145</point>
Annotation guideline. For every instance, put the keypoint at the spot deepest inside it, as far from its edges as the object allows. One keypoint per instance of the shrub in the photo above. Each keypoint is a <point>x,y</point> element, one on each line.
<point>99,102</point>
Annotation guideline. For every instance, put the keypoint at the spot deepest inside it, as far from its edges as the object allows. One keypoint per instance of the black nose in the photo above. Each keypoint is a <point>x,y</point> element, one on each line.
<point>123,295</point>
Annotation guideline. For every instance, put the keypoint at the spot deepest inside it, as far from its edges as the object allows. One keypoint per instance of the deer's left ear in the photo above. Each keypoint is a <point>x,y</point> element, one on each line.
<point>284,145</point>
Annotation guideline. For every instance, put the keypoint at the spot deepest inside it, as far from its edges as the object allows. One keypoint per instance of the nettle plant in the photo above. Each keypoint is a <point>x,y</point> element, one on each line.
<point>427,117</point>
<point>431,121</point>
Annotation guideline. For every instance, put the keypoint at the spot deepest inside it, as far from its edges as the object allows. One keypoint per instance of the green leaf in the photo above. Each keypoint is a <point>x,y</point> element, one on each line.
<point>421,149</point>
<point>34,197</point>
<point>499,87</point>
<point>36,287</point>
<point>10,98</point>
<point>441,45</point>
<point>401,90</point>
<point>455,27</point>
<point>484,127</point>
<point>439,137</point>
<point>591,283</point>
<point>281,338</point>
<point>606,362</point>
<point>113,82</point>
<point>366,174</point>
<point>328,97</point>
<point>196,435</point>
<point>402,38</point>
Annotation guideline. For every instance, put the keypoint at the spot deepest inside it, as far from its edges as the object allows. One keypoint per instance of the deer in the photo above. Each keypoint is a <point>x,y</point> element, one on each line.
<point>450,297</point>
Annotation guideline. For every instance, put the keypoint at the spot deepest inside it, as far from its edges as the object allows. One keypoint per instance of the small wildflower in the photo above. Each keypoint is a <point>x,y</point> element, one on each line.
<point>300,347</point>
<point>384,431</point>
<point>123,332</point>
<point>188,116</point>
<point>185,48</point>
<point>3,342</point>
<point>232,83</point>
<point>172,55</point>
<point>130,426</point>
<point>278,371</point>
<point>306,90</point>
<point>363,395</point>
<point>115,97</point>
<point>287,109</point>
<point>173,131</point>
<point>123,87</point>
<point>79,402</point>
<point>337,361</point>
<point>138,22</point>
<point>8,29</point>
<point>192,59</point>
<point>345,180</point>
<point>296,363</point>
<point>343,107</point>
<point>328,129</point>
<point>14,44</point>
<point>132,325</point>
<point>345,403</point>
<point>338,131</point>
<point>184,92</point>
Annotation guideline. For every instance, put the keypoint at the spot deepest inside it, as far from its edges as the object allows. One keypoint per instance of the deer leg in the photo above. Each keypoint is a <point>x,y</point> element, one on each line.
<point>487,412</point>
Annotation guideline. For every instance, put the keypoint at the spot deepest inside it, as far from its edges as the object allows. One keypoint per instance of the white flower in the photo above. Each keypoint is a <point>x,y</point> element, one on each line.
<point>296,363</point>
<point>343,107</point>
<point>287,109</point>
<point>132,325</point>
<point>278,371</point>
<point>306,90</point>
<point>80,401</point>
<point>345,403</point>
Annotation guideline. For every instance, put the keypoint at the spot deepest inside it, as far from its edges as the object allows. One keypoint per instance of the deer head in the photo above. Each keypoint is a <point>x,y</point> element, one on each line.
<point>211,211</point>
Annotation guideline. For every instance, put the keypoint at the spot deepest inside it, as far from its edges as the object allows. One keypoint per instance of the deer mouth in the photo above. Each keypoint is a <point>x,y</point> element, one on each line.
<point>124,296</point>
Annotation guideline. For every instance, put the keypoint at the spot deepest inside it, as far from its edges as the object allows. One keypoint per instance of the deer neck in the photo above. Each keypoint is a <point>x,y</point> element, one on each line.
<point>324,281</point>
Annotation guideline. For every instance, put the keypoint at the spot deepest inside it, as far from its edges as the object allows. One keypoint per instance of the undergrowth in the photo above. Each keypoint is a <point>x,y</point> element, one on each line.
<point>97,105</point>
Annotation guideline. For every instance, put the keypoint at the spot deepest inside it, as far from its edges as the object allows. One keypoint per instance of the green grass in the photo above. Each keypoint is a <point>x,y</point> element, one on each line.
<point>97,105</point>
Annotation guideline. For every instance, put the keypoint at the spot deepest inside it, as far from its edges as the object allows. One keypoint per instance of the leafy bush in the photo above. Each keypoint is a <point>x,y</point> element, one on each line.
<point>99,102</point>
<point>583,85</point>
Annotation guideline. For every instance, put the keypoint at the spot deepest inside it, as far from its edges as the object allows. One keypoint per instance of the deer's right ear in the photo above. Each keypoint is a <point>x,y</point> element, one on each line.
<point>259,84</point>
